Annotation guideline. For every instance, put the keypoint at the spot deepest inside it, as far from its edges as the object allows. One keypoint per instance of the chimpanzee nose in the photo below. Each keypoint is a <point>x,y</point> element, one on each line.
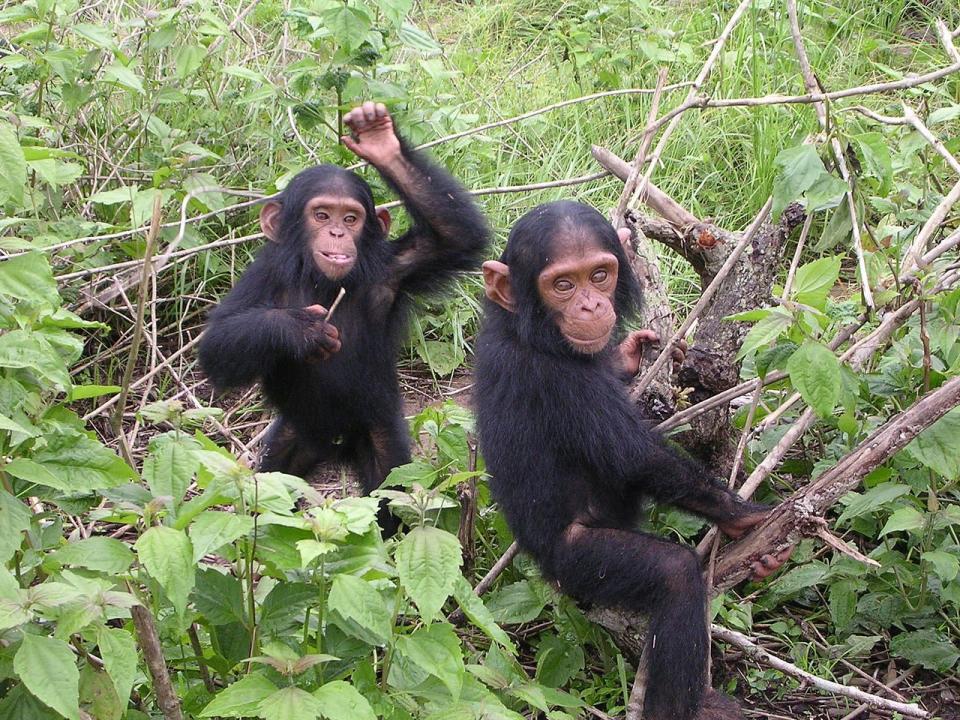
<point>589,301</point>
<point>336,231</point>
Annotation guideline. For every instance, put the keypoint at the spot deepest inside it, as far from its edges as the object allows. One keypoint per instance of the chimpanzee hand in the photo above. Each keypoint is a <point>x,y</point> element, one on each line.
<point>373,138</point>
<point>769,564</point>
<point>631,350</point>
<point>322,338</point>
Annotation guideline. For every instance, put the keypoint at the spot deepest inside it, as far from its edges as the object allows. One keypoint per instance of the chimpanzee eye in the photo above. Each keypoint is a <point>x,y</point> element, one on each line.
<point>350,219</point>
<point>599,276</point>
<point>321,215</point>
<point>562,285</point>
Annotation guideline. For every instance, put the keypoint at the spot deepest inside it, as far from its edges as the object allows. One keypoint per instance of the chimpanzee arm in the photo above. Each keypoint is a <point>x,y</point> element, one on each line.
<point>448,235</point>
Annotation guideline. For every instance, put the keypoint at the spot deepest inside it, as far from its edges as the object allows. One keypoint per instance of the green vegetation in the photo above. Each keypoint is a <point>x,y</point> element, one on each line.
<point>270,600</point>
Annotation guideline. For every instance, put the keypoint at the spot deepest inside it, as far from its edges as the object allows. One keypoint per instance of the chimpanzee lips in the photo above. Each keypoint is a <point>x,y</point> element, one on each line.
<point>337,258</point>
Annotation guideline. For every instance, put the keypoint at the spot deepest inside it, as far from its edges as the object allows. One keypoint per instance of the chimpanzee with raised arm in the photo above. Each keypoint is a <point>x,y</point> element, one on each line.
<point>334,383</point>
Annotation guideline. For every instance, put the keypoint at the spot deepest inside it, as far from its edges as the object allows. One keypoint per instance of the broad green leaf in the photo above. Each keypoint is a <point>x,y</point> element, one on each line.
<point>31,350</point>
<point>515,603</point>
<point>284,607</point>
<point>478,614</point>
<point>12,426</point>
<point>124,76</point>
<point>876,158</point>
<point>241,699</point>
<point>100,36</point>
<point>213,529</point>
<point>442,356</point>
<point>188,59</point>
<point>799,578</point>
<point>118,650</point>
<point>875,497</point>
<point>945,564</point>
<point>827,192</point>
<point>97,553</point>
<point>765,332</point>
<point>837,229</point>
<point>13,166</point>
<point>928,648</point>
<point>815,374</point>
<point>905,518</point>
<point>245,73</point>
<point>116,196</point>
<point>843,602</point>
<point>73,463</point>
<point>361,607</point>
<point>394,10</point>
<point>341,701</point>
<point>944,114</point>
<point>170,466</point>
<point>798,169</point>
<point>29,277</point>
<point>413,37</point>
<point>48,669</point>
<point>14,521</point>
<point>558,660</point>
<point>18,704</point>
<point>98,696</point>
<point>348,25</point>
<point>936,447</point>
<point>219,598</point>
<point>436,649</point>
<point>418,471</point>
<point>291,703</point>
<point>428,562</point>
<point>814,280</point>
<point>310,550</point>
<point>168,556</point>
<point>85,392</point>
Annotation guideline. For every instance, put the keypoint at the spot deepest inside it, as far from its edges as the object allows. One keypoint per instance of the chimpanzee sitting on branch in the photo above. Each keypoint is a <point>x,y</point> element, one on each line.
<point>335,385</point>
<point>571,460</point>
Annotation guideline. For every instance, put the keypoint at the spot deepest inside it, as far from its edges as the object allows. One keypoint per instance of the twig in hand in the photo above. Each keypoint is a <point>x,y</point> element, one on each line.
<point>336,302</point>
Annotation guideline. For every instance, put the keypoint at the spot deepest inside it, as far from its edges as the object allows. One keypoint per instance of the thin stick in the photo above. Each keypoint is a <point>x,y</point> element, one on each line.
<point>149,641</point>
<point>794,264</point>
<point>336,302</point>
<point>732,637</point>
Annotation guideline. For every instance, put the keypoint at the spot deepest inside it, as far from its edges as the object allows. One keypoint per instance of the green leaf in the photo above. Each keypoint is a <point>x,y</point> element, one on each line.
<point>341,701</point>
<point>516,603</point>
<point>905,518</point>
<point>837,229</point>
<point>245,73</point>
<point>876,158</point>
<point>170,466</point>
<point>168,556</point>
<point>935,447</point>
<point>799,168</point>
<point>13,166</point>
<point>29,277</point>
<point>97,553</point>
<point>30,350</point>
<point>213,529</point>
<point>875,497</point>
<point>442,356</point>
<point>242,699</point>
<point>122,75</point>
<point>418,471</point>
<point>46,666</point>
<point>14,522</point>
<point>944,114</point>
<point>116,196</point>
<point>558,660</point>
<point>815,374</point>
<point>945,564</point>
<point>291,703</point>
<point>361,608</point>
<point>348,25</point>
<point>72,463</point>
<point>394,10</point>
<point>413,37</point>
<point>98,35</point>
<point>218,597</point>
<point>799,578</point>
<point>118,650</point>
<point>765,331</point>
<point>843,602</point>
<point>188,59</point>
<point>428,562</point>
<point>284,607</point>
<point>85,392</point>
<point>814,281</point>
<point>480,615</point>
<point>928,648</point>
<point>435,649</point>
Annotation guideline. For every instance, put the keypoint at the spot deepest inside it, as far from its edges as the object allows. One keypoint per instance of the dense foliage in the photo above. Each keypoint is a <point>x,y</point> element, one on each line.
<point>273,600</point>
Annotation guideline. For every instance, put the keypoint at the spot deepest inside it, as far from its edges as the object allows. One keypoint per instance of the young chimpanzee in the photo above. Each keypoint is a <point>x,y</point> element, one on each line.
<point>572,460</point>
<point>335,383</point>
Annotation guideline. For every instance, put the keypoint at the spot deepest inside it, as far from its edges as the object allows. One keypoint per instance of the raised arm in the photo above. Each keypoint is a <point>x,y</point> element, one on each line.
<point>449,234</point>
<point>248,334</point>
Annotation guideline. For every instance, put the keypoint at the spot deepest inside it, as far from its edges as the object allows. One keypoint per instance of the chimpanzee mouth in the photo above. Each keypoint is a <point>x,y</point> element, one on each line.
<point>338,258</point>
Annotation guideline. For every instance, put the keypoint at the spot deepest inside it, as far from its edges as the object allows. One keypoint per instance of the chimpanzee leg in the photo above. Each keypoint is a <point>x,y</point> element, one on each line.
<point>285,451</point>
<point>619,568</point>
<point>384,448</point>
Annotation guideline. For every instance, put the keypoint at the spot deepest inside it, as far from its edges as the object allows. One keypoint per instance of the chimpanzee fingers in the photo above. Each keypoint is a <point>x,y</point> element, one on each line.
<point>319,310</point>
<point>369,111</point>
<point>382,111</point>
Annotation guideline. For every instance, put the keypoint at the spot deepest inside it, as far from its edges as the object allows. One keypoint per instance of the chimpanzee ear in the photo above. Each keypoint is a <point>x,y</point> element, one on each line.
<point>383,215</point>
<point>496,283</point>
<point>270,220</point>
<point>624,235</point>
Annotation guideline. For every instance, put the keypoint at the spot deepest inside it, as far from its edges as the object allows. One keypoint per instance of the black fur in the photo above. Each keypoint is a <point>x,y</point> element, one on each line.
<point>347,407</point>
<point>572,460</point>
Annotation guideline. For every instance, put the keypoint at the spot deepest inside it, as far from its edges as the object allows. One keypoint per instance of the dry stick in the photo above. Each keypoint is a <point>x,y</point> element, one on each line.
<point>767,658</point>
<point>704,300</point>
<point>489,579</point>
<point>890,686</point>
<point>631,183</point>
<point>153,655</point>
<point>117,424</point>
<point>933,224</point>
<point>795,263</point>
<point>946,39</point>
<point>811,84</point>
<point>913,119</point>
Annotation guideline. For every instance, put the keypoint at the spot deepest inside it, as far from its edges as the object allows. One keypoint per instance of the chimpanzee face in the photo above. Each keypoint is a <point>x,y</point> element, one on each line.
<point>577,286</point>
<point>333,224</point>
